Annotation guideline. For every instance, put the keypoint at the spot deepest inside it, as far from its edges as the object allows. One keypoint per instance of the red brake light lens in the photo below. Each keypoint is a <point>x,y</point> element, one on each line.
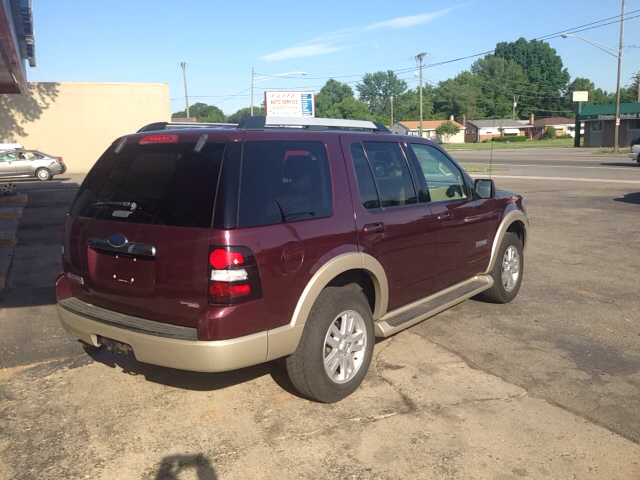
<point>221,258</point>
<point>159,138</point>
<point>226,290</point>
<point>59,160</point>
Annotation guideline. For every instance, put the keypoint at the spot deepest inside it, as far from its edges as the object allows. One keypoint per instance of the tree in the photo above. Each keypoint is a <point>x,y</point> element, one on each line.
<point>243,113</point>
<point>446,130</point>
<point>500,83</point>
<point>204,113</point>
<point>542,66</point>
<point>331,94</point>
<point>459,96</point>
<point>351,109</point>
<point>377,89</point>
<point>407,105</point>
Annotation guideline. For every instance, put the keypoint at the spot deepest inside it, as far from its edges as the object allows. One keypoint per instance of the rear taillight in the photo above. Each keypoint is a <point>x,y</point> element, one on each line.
<point>233,276</point>
<point>59,160</point>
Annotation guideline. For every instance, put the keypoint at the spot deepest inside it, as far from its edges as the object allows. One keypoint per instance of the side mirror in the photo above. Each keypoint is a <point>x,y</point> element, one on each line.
<point>485,188</point>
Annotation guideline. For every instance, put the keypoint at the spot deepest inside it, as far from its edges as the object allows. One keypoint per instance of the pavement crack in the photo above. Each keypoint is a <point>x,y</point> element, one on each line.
<point>408,402</point>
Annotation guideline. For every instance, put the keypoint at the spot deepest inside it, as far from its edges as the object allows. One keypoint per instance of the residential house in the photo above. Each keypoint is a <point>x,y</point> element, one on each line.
<point>562,125</point>
<point>429,127</point>
<point>480,130</point>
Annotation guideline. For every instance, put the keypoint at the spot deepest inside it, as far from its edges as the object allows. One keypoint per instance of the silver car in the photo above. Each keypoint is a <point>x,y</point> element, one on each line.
<point>30,163</point>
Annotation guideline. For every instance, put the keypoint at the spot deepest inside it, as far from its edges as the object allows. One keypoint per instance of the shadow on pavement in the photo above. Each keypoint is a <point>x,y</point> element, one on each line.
<point>630,198</point>
<point>174,467</point>
<point>195,381</point>
<point>36,258</point>
<point>620,164</point>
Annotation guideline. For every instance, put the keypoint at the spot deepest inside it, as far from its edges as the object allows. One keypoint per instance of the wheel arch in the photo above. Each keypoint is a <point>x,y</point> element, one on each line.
<point>341,270</point>
<point>347,268</point>
<point>514,221</point>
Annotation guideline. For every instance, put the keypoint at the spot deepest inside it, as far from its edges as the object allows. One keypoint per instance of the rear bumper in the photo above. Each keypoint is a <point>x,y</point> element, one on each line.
<point>193,355</point>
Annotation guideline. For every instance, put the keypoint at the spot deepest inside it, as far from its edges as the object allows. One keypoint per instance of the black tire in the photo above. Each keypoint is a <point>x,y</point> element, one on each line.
<point>507,271</point>
<point>43,174</point>
<point>309,367</point>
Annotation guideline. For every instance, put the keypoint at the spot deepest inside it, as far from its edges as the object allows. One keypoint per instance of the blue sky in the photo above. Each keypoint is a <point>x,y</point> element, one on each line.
<point>145,41</point>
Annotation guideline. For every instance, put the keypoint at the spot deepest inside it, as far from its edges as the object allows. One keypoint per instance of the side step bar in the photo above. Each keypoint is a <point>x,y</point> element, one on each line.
<point>409,315</point>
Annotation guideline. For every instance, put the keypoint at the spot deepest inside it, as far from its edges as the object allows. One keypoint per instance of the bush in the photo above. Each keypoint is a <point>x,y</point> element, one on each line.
<point>510,139</point>
<point>551,133</point>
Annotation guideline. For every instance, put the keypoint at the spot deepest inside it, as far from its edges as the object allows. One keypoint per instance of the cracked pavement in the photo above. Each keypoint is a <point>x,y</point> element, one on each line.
<point>422,412</point>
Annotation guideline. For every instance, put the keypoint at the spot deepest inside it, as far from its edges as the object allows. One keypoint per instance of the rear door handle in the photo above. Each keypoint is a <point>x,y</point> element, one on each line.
<point>374,228</point>
<point>445,216</point>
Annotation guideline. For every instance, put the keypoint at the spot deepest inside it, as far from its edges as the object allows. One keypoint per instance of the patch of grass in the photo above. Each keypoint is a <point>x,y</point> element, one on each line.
<point>605,151</point>
<point>556,142</point>
<point>474,169</point>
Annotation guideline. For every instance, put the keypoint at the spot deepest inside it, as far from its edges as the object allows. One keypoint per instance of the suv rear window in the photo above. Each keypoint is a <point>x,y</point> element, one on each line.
<point>160,184</point>
<point>284,182</point>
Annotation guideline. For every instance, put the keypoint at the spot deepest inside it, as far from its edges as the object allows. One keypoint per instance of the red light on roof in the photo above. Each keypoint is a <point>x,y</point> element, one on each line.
<point>221,258</point>
<point>159,138</point>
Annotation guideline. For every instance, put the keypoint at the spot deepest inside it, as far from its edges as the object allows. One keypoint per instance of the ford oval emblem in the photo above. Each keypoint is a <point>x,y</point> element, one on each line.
<point>116,240</point>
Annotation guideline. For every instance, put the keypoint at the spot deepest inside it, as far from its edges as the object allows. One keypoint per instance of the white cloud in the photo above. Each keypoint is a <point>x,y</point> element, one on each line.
<point>302,51</point>
<point>410,21</point>
<point>326,42</point>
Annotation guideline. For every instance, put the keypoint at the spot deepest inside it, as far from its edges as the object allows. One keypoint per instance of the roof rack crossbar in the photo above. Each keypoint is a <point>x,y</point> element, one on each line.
<point>177,125</point>
<point>259,122</point>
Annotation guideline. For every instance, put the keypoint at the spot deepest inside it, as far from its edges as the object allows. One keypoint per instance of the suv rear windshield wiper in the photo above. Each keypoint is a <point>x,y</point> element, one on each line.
<point>131,205</point>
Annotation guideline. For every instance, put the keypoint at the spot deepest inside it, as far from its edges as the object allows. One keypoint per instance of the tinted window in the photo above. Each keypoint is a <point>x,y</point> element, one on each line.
<point>444,179</point>
<point>364,177</point>
<point>284,182</point>
<point>162,184</point>
<point>391,172</point>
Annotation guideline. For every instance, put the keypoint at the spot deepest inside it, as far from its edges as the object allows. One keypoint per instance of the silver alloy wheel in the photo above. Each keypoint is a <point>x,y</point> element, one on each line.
<point>510,268</point>
<point>345,346</point>
<point>43,174</point>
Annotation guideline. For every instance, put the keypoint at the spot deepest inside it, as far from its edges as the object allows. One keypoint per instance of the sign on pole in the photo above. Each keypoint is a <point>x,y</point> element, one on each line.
<point>286,103</point>
<point>580,96</point>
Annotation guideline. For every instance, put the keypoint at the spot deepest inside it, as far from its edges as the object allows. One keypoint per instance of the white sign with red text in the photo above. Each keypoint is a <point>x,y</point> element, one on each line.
<point>281,103</point>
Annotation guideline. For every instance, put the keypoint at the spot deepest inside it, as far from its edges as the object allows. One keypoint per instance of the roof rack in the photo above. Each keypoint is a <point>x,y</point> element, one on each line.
<point>311,123</point>
<point>176,125</point>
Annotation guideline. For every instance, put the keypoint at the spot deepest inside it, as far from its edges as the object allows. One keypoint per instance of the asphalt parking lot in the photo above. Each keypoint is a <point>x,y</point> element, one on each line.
<point>545,387</point>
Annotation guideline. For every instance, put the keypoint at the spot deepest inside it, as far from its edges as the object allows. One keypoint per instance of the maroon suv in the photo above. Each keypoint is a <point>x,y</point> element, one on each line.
<point>215,248</point>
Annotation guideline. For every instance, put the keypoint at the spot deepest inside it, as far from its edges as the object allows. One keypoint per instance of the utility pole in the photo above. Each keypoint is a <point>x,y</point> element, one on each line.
<point>186,95</point>
<point>391,109</point>
<point>420,58</point>
<point>253,76</point>
<point>515,104</point>
<point>617,127</point>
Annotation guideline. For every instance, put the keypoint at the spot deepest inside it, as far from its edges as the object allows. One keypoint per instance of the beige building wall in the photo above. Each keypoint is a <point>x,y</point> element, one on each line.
<point>78,121</point>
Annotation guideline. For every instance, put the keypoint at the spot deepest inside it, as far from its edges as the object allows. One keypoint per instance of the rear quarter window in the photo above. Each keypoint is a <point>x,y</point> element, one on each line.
<point>284,181</point>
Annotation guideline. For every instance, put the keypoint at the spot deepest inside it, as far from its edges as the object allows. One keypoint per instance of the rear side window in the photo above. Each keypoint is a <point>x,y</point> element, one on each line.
<point>284,182</point>
<point>383,175</point>
<point>159,184</point>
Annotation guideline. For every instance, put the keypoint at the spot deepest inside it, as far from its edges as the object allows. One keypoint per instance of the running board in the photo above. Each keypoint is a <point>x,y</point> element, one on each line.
<point>408,315</point>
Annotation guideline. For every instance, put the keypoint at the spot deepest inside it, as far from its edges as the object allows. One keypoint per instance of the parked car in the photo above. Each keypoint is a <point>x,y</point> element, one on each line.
<point>30,163</point>
<point>635,150</point>
<point>215,248</point>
